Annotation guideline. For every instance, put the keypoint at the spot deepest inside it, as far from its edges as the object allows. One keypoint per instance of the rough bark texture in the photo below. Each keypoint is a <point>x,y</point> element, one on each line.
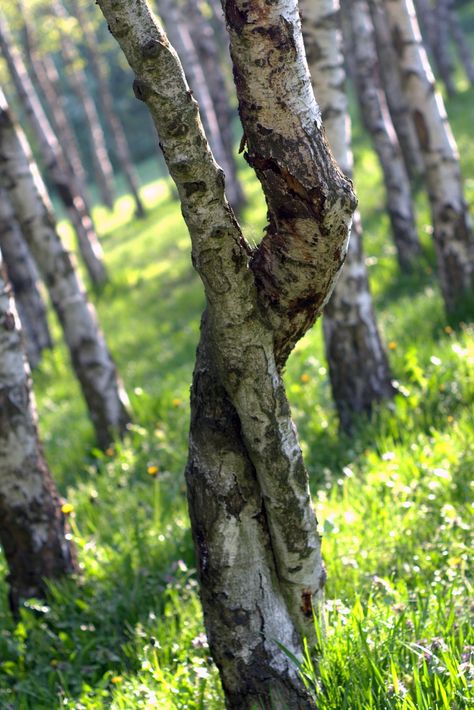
<point>102,165</point>
<point>207,50</point>
<point>379,126</point>
<point>182,40</point>
<point>91,360</point>
<point>358,366</point>
<point>54,161</point>
<point>254,528</point>
<point>110,115</point>
<point>396,100</point>
<point>23,277</point>
<point>452,230</point>
<point>461,43</point>
<point>33,530</point>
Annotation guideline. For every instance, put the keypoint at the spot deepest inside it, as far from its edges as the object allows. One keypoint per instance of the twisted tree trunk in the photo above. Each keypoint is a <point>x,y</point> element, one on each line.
<point>358,366</point>
<point>102,165</point>
<point>396,101</point>
<point>90,358</point>
<point>110,115</point>
<point>32,526</point>
<point>452,232</point>
<point>379,126</point>
<point>54,161</point>
<point>254,528</point>
<point>23,277</point>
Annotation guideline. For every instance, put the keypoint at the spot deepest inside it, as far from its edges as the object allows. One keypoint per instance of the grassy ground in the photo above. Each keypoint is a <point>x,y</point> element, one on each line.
<point>393,502</point>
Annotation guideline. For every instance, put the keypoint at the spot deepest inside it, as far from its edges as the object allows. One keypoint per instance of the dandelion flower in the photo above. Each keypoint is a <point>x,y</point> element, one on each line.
<point>392,345</point>
<point>176,402</point>
<point>116,679</point>
<point>305,377</point>
<point>152,470</point>
<point>67,508</point>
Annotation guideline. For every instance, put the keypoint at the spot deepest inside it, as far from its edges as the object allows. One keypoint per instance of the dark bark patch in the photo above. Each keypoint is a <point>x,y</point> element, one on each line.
<point>235,18</point>
<point>307,603</point>
<point>141,89</point>
<point>422,130</point>
<point>9,321</point>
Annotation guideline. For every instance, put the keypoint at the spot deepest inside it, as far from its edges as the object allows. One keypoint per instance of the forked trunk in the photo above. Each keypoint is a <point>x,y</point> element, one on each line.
<point>378,124</point>
<point>452,230</point>
<point>90,358</point>
<point>33,529</point>
<point>23,277</point>
<point>254,528</point>
<point>358,366</point>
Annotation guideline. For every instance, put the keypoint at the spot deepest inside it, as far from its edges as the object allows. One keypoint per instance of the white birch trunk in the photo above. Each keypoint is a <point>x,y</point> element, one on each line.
<point>90,358</point>
<point>32,526</point>
<point>452,229</point>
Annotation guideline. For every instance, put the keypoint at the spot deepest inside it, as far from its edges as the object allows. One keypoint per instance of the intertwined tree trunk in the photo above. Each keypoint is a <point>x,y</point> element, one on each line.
<point>106,101</point>
<point>254,528</point>
<point>32,526</point>
<point>90,357</point>
<point>23,276</point>
<point>102,165</point>
<point>54,161</point>
<point>452,230</point>
<point>358,366</point>
<point>379,126</point>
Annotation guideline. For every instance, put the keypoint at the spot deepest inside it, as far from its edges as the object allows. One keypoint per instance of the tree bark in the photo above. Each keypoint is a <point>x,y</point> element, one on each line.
<point>461,43</point>
<point>102,165</point>
<point>441,49</point>
<point>54,161</point>
<point>110,115</point>
<point>396,101</point>
<point>90,358</point>
<point>358,366</point>
<point>452,230</point>
<point>182,40</point>
<point>23,277</point>
<point>254,528</point>
<point>379,126</point>
<point>33,529</point>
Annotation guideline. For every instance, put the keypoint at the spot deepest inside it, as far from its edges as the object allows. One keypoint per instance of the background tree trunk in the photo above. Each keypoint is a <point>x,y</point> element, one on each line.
<point>461,43</point>
<point>441,48</point>
<point>254,528</point>
<point>90,358</point>
<point>358,366</point>
<point>23,277</point>
<point>379,126</point>
<point>452,230</point>
<point>32,525</point>
<point>103,166</point>
<point>55,163</point>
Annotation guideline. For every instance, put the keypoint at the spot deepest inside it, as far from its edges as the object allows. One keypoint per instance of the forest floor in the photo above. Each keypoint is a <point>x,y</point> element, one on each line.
<point>394,501</point>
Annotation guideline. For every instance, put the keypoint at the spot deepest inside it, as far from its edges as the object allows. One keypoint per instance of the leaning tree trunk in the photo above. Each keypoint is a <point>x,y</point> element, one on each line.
<point>102,165</point>
<point>90,358</point>
<point>461,43</point>
<point>23,277</point>
<point>452,232</point>
<point>182,40</point>
<point>55,163</point>
<point>379,126</point>
<point>396,101</point>
<point>207,50</point>
<point>109,113</point>
<point>33,530</point>
<point>255,532</point>
<point>358,366</point>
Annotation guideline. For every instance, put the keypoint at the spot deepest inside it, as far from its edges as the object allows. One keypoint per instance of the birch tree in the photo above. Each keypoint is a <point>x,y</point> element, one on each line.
<point>91,360</point>
<point>255,533</point>
<point>33,529</point>
<point>358,365</point>
<point>452,231</point>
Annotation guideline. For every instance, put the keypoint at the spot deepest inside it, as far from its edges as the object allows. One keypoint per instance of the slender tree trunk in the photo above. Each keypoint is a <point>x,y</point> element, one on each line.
<point>379,126</point>
<point>441,49</point>
<point>452,230</point>
<point>358,366</point>
<point>396,101</point>
<point>90,358</point>
<point>254,528</point>
<point>207,50</point>
<point>23,277</point>
<point>32,526</point>
<point>54,161</point>
<point>110,115</point>
<point>102,165</point>
<point>182,40</point>
<point>461,43</point>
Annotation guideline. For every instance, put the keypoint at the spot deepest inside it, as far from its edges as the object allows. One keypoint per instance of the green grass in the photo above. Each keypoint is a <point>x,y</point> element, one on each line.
<point>394,502</point>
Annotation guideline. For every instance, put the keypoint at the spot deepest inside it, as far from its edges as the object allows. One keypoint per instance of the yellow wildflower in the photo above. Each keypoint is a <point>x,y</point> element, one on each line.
<point>67,508</point>
<point>305,377</point>
<point>116,679</point>
<point>176,402</point>
<point>152,470</point>
<point>109,451</point>
<point>392,345</point>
